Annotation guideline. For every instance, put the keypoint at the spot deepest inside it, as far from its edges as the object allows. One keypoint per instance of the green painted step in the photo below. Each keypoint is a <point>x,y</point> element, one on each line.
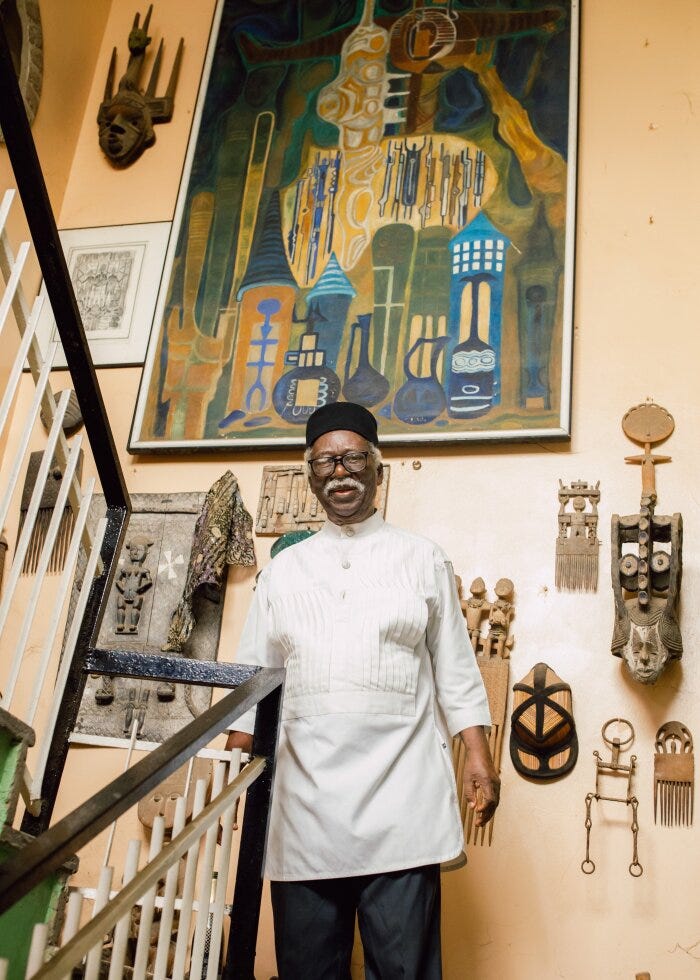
<point>44,903</point>
<point>15,739</point>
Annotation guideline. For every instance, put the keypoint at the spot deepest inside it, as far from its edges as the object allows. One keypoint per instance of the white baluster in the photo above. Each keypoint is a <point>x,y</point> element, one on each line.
<point>143,944</point>
<point>121,929</point>
<point>205,879</point>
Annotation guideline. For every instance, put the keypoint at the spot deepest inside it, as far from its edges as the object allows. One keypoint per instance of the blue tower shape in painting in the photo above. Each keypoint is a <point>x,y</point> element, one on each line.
<point>330,299</point>
<point>478,271</point>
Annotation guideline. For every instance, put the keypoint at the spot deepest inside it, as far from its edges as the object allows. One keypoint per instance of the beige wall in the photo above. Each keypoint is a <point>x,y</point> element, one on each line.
<point>522,909</point>
<point>72,32</point>
<point>96,193</point>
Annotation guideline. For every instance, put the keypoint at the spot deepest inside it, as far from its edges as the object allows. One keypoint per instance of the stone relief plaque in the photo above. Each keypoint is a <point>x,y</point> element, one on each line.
<point>147,587</point>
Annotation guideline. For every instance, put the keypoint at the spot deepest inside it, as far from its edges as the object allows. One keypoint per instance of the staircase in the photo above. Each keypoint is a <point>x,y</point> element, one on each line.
<point>45,903</point>
<point>44,668</point>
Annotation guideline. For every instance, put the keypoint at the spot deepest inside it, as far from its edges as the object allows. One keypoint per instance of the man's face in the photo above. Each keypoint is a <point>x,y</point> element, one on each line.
<point>644,653</point>
<point>347,498</point>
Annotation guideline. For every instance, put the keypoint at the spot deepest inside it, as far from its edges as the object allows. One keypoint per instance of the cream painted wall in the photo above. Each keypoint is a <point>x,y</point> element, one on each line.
<point>522,909</point>
<point>72,32</point>
<point>96,193</point>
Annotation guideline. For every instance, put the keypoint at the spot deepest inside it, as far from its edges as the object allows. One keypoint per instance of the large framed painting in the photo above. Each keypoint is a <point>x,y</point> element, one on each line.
<point>378,206</point>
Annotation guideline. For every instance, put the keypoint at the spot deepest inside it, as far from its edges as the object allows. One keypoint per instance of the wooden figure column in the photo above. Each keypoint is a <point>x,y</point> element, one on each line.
<point>646,576</point>
<point>492,646</point>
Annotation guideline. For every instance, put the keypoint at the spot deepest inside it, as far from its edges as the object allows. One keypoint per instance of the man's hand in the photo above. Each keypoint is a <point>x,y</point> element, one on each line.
<point>242,741</point>
<point>482,784</point>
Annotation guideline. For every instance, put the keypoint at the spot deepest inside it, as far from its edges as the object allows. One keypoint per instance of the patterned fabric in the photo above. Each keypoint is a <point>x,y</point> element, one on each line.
<point>223,535</point>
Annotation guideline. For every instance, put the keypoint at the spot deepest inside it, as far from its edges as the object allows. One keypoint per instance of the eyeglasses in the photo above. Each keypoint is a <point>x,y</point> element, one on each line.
<point>353,462</point>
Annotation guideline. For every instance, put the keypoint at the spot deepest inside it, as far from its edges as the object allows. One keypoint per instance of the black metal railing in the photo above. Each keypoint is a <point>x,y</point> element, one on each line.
<point>251,685</point>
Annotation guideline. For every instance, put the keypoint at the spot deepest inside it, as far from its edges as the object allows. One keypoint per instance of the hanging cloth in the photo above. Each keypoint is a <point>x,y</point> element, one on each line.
<point>223,535</point>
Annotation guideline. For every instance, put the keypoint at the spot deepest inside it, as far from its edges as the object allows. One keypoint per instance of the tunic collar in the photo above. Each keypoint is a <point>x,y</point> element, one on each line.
<point>361,530</point>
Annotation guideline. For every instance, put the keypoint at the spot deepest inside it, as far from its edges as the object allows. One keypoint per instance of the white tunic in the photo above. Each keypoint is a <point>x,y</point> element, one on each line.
<point>366,620</point>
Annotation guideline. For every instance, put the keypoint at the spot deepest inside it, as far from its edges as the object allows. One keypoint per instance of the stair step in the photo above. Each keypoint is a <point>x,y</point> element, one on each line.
<point>44,903</point>
<point>15,739</point>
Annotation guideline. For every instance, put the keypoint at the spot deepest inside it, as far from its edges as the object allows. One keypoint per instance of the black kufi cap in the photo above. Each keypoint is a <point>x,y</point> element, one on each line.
<point>341,415</point>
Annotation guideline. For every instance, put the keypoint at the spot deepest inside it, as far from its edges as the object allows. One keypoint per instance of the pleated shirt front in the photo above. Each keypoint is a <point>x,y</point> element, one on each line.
<point>379,674</point>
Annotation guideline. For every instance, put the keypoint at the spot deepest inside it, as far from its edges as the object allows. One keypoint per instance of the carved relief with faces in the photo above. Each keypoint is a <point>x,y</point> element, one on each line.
<point>647,560</point>
<point>647,634</point>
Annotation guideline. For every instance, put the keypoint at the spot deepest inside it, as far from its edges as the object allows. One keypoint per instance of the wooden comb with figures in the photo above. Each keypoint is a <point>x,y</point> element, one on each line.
<point>488,625</point>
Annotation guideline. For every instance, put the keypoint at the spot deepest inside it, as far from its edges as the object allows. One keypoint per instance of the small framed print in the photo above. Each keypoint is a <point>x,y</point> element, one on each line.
<point>116,274</point>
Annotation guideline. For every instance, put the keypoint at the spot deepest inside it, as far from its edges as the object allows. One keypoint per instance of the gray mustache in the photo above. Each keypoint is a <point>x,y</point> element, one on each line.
<point>343,483</point>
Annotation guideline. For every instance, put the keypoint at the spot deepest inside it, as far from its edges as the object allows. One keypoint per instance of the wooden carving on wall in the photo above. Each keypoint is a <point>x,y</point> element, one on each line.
<point>133,579</point>
<point>647,561</point>
<point>674,774</point>
<point>126,118</point>
<point>48,498</point>
<point>21,22</point>
<point>167,596</point>
<point>287,502</point>
<point>577,543</point>
<point>488,624</point>
<point>543,739</point>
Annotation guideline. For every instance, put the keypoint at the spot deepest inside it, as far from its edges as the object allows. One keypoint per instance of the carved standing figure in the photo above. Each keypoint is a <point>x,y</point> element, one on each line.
<point>132,582</point>
<point>475,608</point>
<point>500,615</point>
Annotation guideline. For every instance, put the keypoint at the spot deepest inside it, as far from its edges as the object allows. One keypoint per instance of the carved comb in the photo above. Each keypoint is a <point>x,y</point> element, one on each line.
<point>674,774</point>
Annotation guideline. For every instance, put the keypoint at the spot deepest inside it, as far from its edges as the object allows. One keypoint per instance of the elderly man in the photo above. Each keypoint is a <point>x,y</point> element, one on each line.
<point>380,674</point>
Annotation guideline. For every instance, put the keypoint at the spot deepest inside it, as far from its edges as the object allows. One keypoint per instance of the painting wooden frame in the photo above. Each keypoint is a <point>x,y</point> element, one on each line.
<point>116,273</point>
<point>378,205</point>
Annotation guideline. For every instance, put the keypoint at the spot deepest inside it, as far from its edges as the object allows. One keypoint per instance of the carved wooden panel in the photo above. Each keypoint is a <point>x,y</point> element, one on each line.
<point>287,503</point>
<point>110,707</point>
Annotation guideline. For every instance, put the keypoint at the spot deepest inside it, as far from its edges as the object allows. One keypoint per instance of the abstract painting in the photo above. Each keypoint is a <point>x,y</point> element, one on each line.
<point>378,206</point>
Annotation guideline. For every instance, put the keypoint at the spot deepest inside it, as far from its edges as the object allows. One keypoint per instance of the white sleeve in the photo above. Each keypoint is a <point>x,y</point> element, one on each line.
<point>458,684</point>
<point>256,648</point>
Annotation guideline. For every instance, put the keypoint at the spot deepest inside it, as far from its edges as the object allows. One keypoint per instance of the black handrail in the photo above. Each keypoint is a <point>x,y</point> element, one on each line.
<point>253,686</point>
<point>152,667</point>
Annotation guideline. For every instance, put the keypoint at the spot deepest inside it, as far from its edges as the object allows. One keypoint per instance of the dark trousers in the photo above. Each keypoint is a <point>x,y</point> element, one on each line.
<point>398,915</point>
